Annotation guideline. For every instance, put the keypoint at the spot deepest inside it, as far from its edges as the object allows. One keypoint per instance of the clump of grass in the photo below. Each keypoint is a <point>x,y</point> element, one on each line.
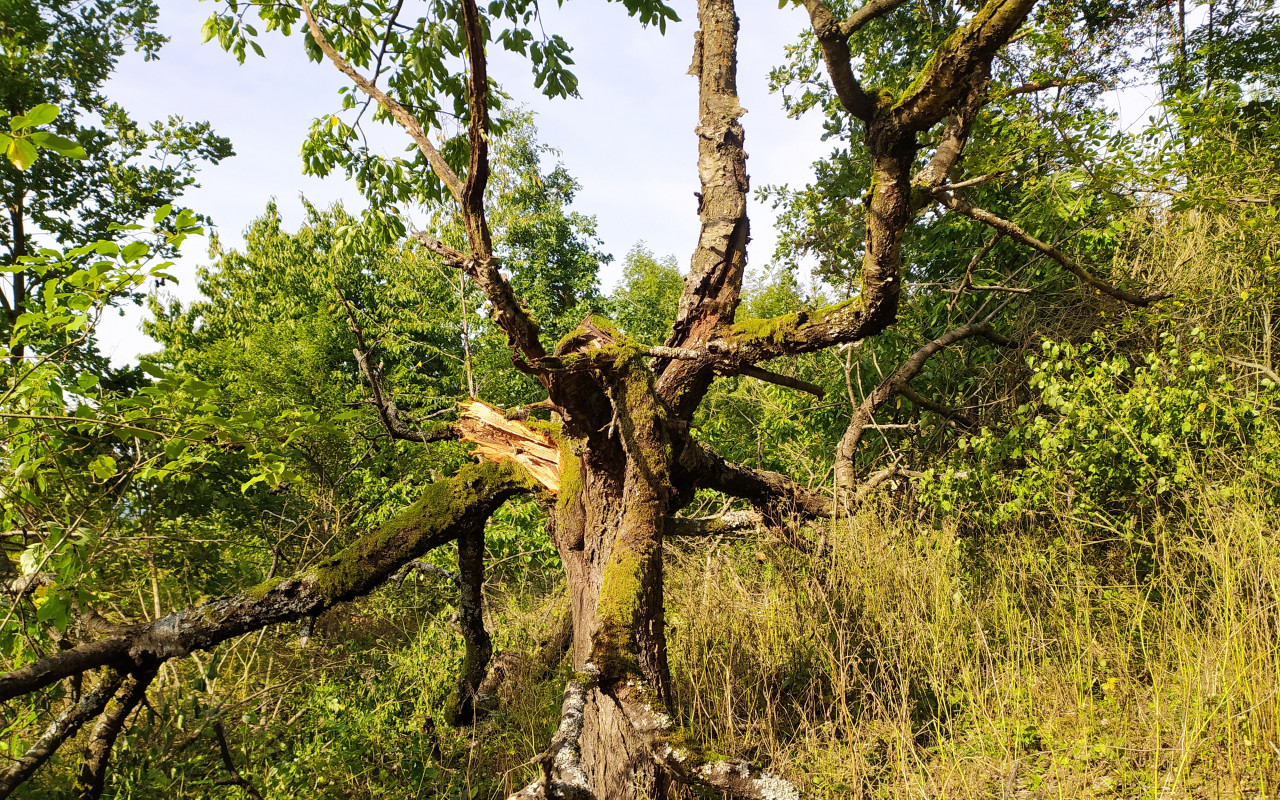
<point>910,661</point>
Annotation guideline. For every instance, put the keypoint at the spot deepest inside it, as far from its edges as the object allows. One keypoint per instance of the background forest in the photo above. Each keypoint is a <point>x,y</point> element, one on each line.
<point>1057,577</point>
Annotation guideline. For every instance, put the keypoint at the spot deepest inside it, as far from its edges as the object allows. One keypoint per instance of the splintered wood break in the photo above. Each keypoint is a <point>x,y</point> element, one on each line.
<point>497,438</point>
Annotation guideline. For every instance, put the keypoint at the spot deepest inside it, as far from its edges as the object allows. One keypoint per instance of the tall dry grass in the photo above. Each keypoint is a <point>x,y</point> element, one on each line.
<point>912,662</point>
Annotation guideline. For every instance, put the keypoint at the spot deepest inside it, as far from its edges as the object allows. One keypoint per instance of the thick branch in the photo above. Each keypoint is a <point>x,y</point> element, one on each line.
<point>97,753</point>
<point>562,775</point>
<point>464,710</point>
<point>1016,233</point>
<point>728,522</point>
<point>713,287</point>
<point>967,53</point>
<point>777,496</point>
<point>62,728</point>
<point>446,510</point>
<point>833,37</point>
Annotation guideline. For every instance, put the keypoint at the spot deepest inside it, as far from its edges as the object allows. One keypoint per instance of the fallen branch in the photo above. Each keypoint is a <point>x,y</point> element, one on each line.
<point>97,753</point>
<point>446,510</point>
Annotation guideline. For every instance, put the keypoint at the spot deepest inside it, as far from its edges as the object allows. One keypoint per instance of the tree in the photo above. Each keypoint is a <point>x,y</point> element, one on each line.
<point>61,54</point>
<point>618,460</point>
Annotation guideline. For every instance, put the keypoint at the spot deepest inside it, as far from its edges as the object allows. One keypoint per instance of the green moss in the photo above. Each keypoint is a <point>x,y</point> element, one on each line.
<point>256,593</point>
<point>778,330</point>
<point>613,646</point>
<point>605,324</point>
<point>403,537</point>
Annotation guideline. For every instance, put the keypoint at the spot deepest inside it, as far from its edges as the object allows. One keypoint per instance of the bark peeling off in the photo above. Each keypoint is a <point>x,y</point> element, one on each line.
<point>713,287</point>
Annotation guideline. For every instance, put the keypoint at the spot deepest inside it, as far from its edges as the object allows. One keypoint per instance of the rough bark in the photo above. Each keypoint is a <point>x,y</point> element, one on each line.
<point>478,646</point>
<point>97,753</point>
<point>713,287</point>
<point>63,727</point>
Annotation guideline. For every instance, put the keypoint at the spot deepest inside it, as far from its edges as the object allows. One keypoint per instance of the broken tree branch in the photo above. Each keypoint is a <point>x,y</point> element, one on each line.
<point>446,510</point>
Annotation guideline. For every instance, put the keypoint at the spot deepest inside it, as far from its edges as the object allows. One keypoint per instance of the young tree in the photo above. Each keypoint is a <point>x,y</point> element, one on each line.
<point>618,459</point>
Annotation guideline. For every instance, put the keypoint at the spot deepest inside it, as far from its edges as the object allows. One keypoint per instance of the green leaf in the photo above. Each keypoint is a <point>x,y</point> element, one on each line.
<point>61,146</point>
<point>162,212</point>
<point>42,114</point>
<point>103,467</point>
<point>21,153</point>
<point>208,30</point>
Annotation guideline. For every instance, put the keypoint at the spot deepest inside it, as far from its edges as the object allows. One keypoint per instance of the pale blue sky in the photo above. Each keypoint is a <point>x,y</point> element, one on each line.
<point>629,140</point>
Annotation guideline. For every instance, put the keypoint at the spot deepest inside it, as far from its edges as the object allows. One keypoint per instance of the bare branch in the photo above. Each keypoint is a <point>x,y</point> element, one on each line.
<point>236,779</point>
<point>728,522</point>
<point>891,386</point>
<point>1016,233</point>
<point>920,401</point>
<point>782,380</point>
<point>388,411</point>
<point>563,777</point>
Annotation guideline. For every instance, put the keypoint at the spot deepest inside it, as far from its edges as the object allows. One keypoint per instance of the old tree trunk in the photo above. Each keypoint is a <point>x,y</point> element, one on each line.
<point>616,459</point>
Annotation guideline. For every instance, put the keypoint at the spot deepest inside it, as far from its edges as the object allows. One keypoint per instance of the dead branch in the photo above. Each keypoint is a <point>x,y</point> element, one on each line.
<point>782,380</point>
<point>388,411</point>
<point>1010,229</point>
<point>893,385</point>
<point>562,775</point>
<point>236,779</point>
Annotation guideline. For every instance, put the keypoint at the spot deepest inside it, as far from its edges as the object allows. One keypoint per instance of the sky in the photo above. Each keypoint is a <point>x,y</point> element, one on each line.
<point>628,140</point>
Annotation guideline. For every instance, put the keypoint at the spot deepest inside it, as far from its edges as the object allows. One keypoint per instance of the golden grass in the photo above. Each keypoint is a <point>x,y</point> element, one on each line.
<point>911,662</point>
